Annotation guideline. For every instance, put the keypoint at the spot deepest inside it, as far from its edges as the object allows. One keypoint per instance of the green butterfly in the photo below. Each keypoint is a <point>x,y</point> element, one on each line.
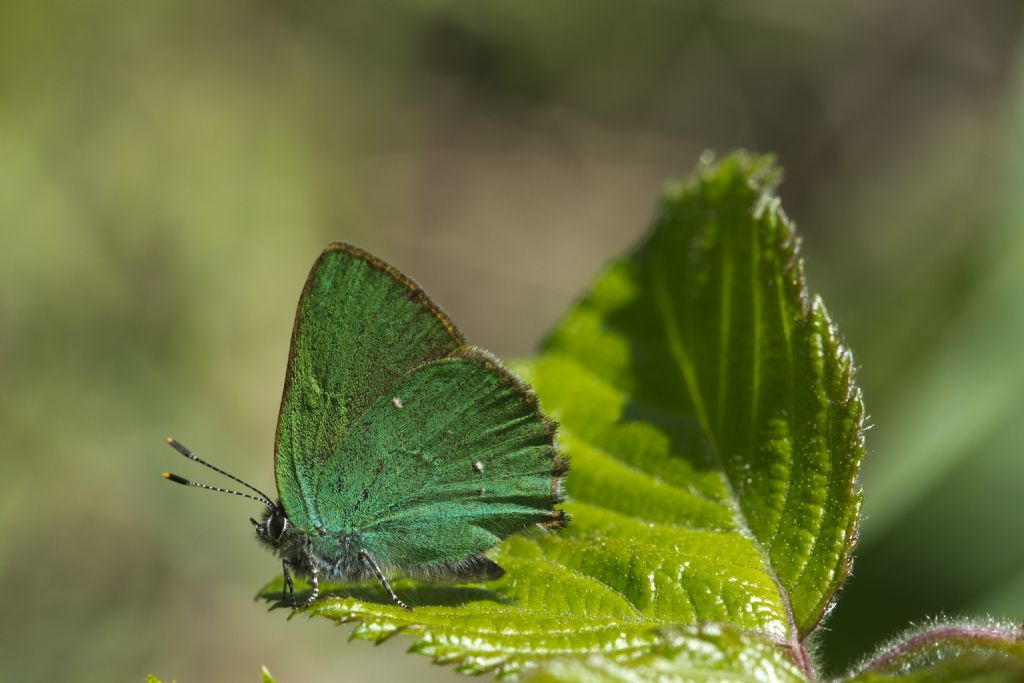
<point>400,449</point>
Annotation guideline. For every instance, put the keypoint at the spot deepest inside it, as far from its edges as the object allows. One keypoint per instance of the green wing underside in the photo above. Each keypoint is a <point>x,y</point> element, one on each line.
<point>360,327</point>
<point>395,432</point>
<point>454,460</point>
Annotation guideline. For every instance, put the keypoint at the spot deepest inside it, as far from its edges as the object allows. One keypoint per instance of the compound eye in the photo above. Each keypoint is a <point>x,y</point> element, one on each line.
<point>276,525</point>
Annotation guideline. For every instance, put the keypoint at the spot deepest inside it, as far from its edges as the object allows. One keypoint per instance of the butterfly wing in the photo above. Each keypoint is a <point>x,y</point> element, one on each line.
<point>458,457</point>
<point>360,326</point>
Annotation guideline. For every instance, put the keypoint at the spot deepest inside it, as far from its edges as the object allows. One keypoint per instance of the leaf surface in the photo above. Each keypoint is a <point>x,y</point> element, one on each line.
<point>698,654</point>
<point>709,411</point>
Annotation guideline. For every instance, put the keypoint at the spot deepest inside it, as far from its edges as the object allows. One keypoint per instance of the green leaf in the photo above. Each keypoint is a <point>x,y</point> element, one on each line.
<point>708,337</point>
<point>951,651</point>
<point>708,653</point>
<point>709,411</point>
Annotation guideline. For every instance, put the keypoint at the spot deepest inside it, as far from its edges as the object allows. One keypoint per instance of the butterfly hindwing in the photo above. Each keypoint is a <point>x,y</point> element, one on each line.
<point>360,327</point>
<point>455,458</point>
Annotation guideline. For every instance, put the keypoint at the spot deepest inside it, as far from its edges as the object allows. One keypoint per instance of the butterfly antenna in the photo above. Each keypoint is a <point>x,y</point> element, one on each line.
<point>186,482</point>
<point>192,456</point>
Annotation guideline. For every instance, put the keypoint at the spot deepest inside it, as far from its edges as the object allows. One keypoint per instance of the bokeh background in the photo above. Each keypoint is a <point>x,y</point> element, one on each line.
<point>170,169</point>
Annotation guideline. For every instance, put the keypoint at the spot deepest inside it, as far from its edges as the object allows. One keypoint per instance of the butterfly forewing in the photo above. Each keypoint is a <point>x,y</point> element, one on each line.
<point>360,327</point>
<point>456,457</point>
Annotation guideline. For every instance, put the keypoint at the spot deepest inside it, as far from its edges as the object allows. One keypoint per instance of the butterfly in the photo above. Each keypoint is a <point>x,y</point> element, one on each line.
<point>400,449</point>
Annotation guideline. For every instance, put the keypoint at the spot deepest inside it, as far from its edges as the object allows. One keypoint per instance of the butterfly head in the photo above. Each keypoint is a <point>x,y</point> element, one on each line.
<point>274,526</point>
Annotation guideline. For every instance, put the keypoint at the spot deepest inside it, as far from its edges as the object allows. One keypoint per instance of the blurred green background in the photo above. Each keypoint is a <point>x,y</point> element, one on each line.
<point>169,171</point>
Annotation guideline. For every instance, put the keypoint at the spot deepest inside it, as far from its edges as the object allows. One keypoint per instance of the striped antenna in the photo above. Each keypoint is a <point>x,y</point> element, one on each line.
<point>192,456</point>
<point>187,482</point>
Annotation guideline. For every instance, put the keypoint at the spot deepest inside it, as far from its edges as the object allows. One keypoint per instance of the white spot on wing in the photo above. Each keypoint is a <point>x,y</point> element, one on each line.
<point>397,402</point>
<point>478,466</point>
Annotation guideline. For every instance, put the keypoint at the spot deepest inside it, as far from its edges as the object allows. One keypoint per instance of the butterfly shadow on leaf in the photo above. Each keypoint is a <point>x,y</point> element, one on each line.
<point>415,594</point>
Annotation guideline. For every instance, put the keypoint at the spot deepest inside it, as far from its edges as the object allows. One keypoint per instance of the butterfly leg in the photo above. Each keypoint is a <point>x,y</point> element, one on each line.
<point>316,585</point>
<point>289,585</point>
<point>366,558</point>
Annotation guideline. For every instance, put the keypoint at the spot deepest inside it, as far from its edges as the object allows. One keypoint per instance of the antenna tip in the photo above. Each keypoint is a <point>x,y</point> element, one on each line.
<point>170,439</point>
<point>176,479</point>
